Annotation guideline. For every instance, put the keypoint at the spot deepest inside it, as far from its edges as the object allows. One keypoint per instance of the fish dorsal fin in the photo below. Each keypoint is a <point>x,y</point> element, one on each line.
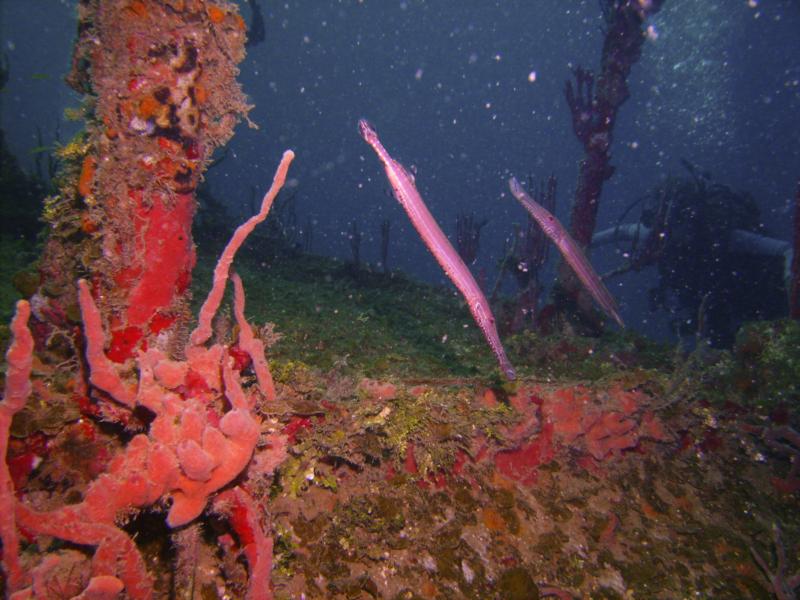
<point>405,172</point>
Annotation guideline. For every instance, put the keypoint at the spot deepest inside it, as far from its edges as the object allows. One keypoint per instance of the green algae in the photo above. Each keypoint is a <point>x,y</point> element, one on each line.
<point>517,584</point>
<point>504,500</point>
<point>324,314</point>
<point>17,279</point>
<point>766,361</point>
<point>311,531</point>
<point>376,514</point>
<point>606,593</point>
<point>551,543</point>
<point>390,325</point>
<point>446,549</point>
<point>555,507</point>
<point>463,499</point>
<point>648,573</point>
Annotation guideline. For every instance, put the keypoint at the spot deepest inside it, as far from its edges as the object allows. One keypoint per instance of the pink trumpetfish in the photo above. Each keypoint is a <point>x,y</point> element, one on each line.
<point>569,249</point>
<point>405,191</point>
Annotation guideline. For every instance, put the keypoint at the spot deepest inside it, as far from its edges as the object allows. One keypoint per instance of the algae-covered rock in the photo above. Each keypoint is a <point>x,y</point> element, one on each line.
<point>517,584</point>
<point>766,361</point>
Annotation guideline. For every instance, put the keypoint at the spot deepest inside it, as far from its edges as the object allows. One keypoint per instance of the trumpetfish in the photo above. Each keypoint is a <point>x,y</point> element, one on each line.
<point>405,190</point>
<point>569,249</point>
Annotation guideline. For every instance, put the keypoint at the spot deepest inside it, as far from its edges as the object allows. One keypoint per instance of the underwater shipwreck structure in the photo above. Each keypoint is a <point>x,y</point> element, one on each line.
<point>147,454</point>
<point>710,251</point>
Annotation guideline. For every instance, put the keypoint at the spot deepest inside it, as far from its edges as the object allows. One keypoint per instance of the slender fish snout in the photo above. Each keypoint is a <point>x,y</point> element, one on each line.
<point>366,130</point>
<point>516,188</point>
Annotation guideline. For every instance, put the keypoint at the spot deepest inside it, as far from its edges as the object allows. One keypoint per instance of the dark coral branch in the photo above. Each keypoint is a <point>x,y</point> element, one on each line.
<point>794,285</point>
<point>782,586</point>
<point>386,227</point>
<point>468,236</point>
<point>529,254</point>
<point>594,102</point>
<point>582,104</point>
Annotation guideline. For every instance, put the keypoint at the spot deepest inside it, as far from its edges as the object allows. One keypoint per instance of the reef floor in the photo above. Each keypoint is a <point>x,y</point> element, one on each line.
<point>451,490</point>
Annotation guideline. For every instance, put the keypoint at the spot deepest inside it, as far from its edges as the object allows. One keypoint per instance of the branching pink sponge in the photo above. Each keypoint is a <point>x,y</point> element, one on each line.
<point>192,449</point>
